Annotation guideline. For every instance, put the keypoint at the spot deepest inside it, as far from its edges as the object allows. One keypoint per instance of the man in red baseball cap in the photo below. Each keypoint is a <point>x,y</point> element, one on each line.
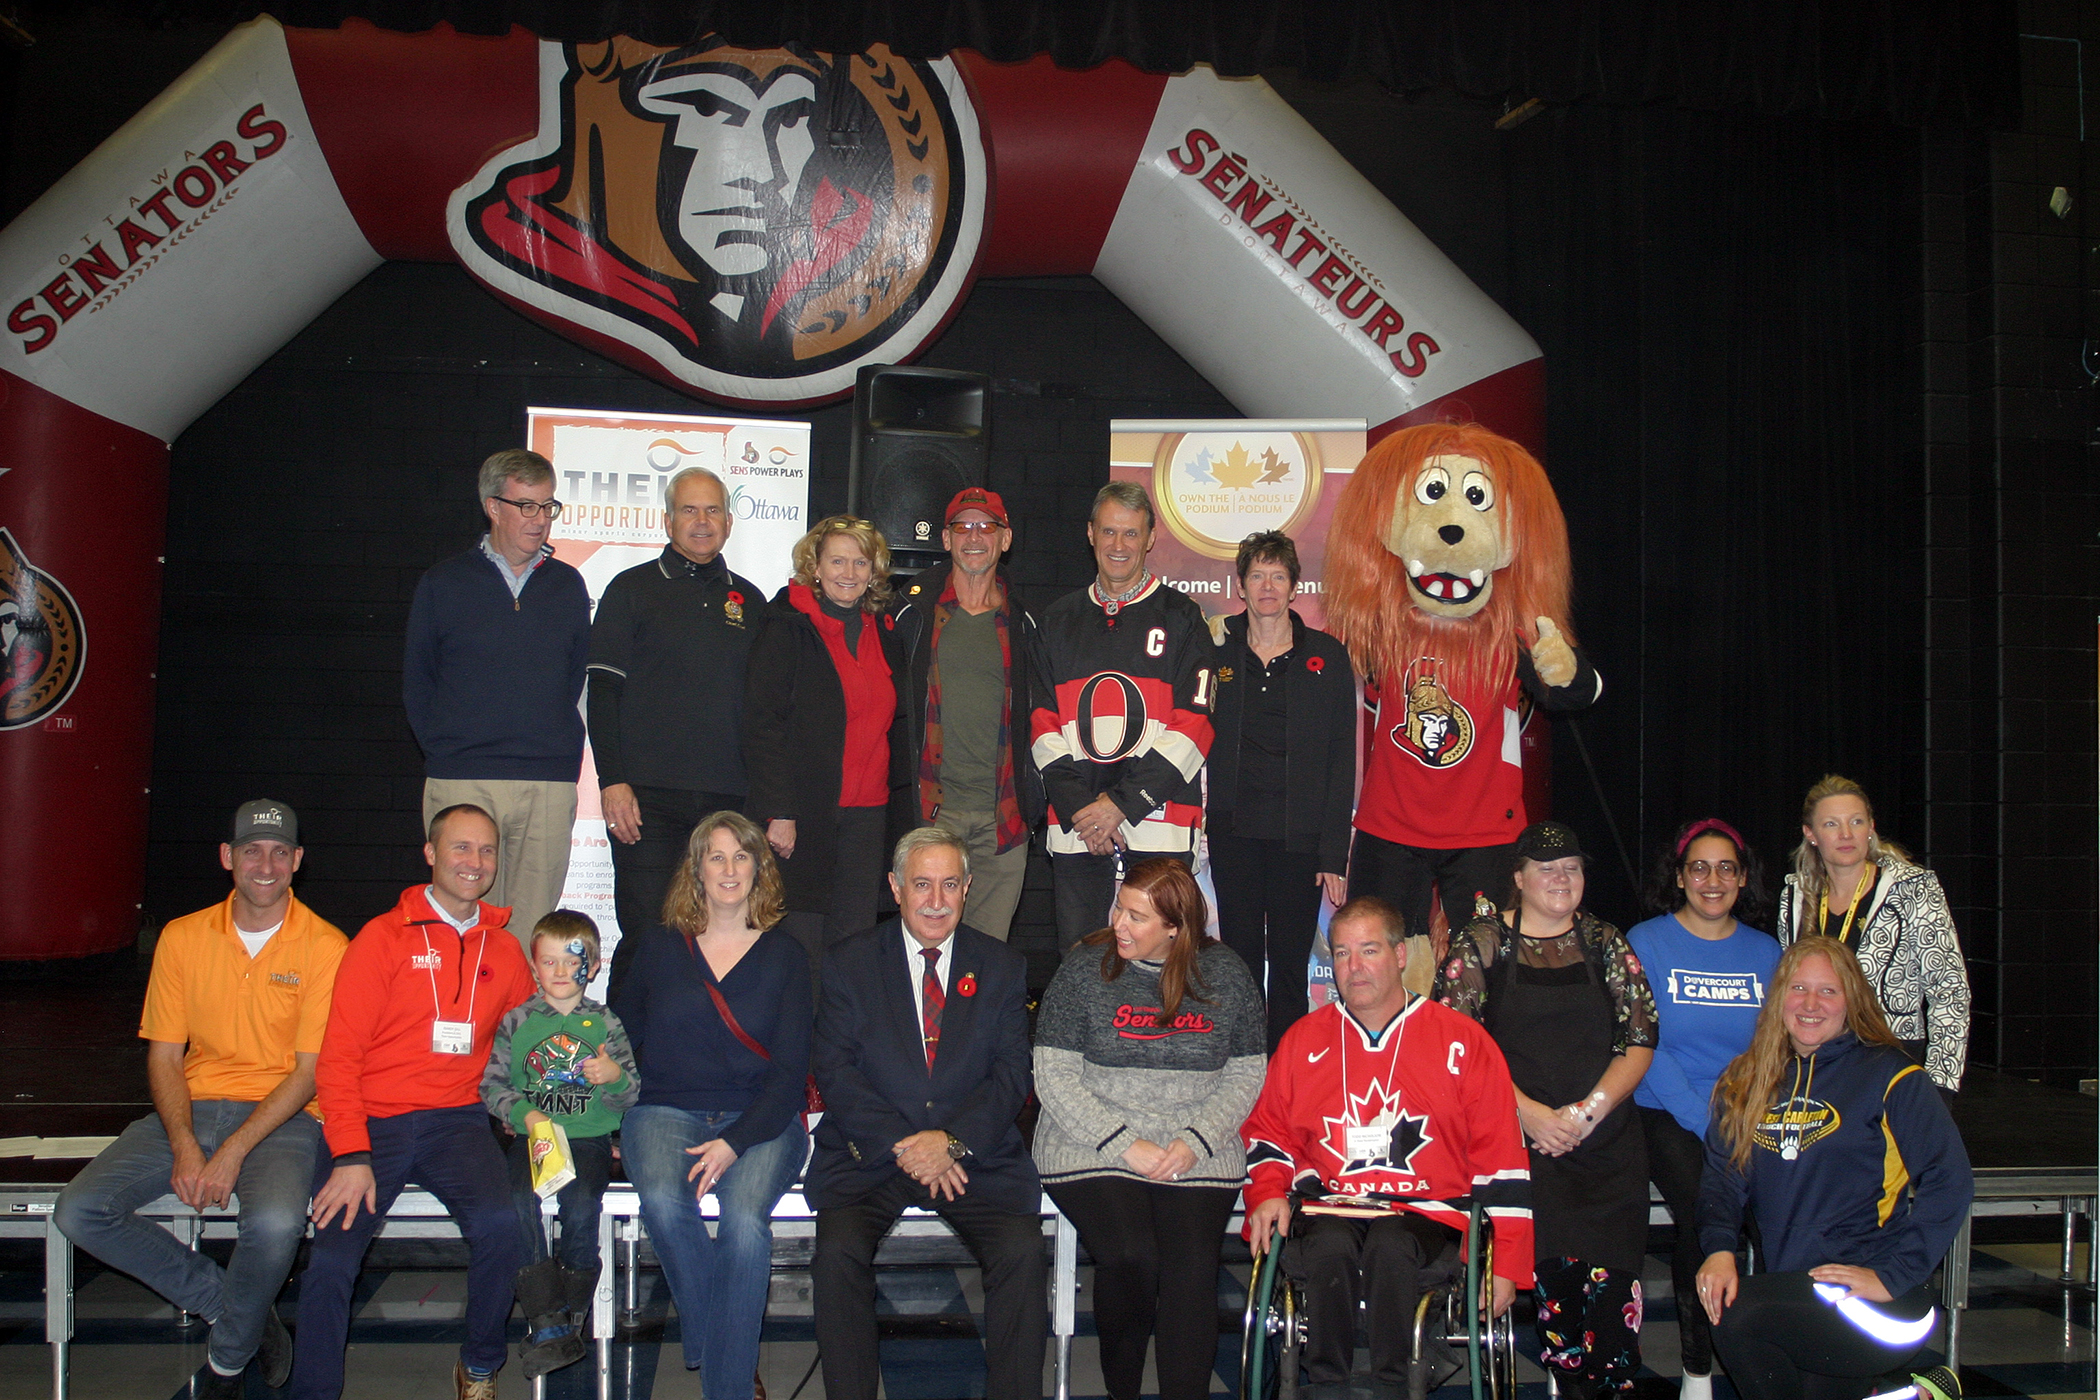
<point>967,688</point>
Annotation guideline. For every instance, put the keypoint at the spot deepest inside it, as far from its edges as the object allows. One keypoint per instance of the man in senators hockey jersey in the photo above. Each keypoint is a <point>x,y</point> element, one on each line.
<point>1384,1094</point>
<point>1126,670</point>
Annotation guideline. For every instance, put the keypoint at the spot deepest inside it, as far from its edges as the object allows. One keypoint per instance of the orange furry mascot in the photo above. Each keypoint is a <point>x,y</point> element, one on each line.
<point>1447,579</point>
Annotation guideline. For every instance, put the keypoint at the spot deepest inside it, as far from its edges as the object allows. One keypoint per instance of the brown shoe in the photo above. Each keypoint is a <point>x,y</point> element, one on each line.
<point>758,1386</point>
<point>470,1388</point>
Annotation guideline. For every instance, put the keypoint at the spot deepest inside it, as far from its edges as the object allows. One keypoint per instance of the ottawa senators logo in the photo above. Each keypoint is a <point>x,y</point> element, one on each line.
<point>1111,717</point>
<point>756,223</point>
<point>1436,729</point>
<point>42,644</point>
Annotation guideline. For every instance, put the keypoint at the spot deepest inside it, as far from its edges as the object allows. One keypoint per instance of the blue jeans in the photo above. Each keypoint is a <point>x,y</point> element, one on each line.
<point>96,1213</point>
<point>718,1282</point>
<point>579,1204</point>
<point>451,1153</point>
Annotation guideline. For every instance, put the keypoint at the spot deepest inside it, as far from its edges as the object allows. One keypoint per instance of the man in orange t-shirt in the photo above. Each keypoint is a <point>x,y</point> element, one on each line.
<point>415,1013</point>
<point>235,1014</point>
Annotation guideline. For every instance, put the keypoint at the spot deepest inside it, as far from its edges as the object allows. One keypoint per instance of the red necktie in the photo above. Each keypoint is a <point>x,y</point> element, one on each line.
<point>932,1000</point>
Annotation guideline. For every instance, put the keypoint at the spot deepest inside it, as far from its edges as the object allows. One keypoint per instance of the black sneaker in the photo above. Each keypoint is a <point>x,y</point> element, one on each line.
<point>208,1384</point>
<point>274,1356</point>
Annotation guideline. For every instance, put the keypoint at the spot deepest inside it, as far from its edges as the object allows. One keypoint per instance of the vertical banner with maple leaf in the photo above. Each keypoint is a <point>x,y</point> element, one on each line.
<point>1213,483</point>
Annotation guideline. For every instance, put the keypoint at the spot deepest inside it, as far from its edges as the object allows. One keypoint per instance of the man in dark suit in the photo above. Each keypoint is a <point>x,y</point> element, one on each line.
<point>922,1053</point>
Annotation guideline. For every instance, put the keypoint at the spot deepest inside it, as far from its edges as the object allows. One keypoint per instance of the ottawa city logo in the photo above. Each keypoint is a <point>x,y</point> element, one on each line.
<point>1435,728</point>
<point>42,644</point>
<point>756,223</point>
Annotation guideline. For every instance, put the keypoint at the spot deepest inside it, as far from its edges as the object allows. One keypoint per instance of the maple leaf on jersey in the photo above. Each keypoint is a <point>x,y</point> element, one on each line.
<point>1274,468</point>
<point>1236,469</point>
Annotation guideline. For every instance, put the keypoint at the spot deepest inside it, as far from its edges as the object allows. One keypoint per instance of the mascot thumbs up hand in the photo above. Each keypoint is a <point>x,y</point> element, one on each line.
<point>1448,547</point>
<point>1551,656</point>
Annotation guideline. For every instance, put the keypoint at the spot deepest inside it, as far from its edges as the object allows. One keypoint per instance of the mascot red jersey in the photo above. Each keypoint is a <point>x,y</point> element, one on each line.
<point>1447,579</point>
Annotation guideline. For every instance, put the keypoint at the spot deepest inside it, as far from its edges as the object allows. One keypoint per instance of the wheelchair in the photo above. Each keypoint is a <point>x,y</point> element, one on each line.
<point>1456,1309</point>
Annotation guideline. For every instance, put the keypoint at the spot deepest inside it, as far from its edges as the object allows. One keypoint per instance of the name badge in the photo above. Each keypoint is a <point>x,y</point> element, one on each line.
<point>452,1037</point>
<point>1370,1144</point>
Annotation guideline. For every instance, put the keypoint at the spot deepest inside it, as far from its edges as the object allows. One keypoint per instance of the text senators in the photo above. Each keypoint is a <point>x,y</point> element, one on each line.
<point>152,222</point>
<point>1334,277</point>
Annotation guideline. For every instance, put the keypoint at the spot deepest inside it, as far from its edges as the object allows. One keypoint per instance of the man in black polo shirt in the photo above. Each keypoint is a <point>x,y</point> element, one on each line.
<point>667,700</point>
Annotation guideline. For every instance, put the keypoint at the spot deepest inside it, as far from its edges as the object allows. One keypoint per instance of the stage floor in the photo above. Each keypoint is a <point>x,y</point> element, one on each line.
<point>81,1071</point>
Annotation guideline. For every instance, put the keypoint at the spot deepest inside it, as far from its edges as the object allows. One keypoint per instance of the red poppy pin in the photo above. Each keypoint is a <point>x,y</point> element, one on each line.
<point>1316,664</point>
<point>967,986</point>
<point>735,597</point>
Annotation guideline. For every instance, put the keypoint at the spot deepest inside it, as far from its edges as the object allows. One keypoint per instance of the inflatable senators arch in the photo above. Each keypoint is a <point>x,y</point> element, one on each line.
<point>750,227</point>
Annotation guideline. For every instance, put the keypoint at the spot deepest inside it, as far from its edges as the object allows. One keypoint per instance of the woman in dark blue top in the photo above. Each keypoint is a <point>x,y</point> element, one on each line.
<point>717,1008</point>
<point>1836,1140</point>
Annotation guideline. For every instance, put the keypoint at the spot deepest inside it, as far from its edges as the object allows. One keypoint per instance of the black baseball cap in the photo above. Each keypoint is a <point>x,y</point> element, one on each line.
<point>264,820</point>
<point>1543,841</point>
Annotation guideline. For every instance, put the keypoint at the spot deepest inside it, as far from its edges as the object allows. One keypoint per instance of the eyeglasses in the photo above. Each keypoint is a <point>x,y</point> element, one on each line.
<point>1726,869</point>
<point>529,509</point>
<point>976,527</point>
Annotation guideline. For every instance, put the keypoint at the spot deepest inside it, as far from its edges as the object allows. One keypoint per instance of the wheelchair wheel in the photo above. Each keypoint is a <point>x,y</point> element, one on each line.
<point>1272,1332</point>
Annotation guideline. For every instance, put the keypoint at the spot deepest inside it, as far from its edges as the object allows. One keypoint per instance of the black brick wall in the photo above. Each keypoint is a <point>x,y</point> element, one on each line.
<point>306,504</point>
<point>2008,318</point>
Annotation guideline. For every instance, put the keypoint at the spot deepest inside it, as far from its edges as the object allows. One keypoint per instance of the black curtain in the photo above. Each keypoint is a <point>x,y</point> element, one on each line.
<point>1727,307</point>
<point>1906,59</point>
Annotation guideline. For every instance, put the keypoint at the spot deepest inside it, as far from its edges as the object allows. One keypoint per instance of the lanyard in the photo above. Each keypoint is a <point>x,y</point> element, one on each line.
<point>1859,893</point>
<point>437,1008</point>
<point>1348,1100</point>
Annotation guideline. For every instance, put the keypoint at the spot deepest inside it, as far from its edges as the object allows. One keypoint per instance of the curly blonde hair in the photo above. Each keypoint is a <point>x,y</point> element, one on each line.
<point>871,543</point>
<point>1369,603</point>
<point>685,903</point>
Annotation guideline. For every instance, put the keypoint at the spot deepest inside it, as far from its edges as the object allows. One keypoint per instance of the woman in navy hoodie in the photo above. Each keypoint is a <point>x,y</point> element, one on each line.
<point>1841,1146</point>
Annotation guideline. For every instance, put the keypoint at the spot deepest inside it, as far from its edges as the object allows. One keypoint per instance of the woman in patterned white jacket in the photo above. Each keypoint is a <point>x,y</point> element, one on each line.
<point>1851,885</point>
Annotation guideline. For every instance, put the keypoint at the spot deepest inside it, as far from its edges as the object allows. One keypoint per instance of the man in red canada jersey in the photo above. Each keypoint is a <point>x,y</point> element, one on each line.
<point>1383,1098</point>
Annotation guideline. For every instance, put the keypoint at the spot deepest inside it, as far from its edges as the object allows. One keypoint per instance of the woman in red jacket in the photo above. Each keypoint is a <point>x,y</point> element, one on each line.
<point>823,746</point>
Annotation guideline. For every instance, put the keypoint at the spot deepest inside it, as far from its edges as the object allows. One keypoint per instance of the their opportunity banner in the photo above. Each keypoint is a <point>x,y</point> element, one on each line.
<point>610,470</point>
<point>1213,483</point>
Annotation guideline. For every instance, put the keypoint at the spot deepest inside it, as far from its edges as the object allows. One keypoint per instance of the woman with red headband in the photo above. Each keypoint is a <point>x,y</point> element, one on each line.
<point>1711,973</point>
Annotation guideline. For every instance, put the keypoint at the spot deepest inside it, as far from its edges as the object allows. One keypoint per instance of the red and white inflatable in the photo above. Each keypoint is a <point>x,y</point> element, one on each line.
<point>289,163</point>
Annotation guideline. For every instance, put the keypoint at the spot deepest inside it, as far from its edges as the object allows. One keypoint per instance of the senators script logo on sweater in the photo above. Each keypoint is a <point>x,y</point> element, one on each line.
<point>1144,1023</point>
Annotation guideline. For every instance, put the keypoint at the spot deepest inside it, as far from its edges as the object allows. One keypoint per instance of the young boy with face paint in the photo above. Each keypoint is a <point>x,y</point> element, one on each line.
<point>561,1057</point>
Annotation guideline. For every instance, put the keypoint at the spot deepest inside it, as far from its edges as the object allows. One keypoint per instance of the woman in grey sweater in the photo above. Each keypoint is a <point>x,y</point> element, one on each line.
<point>1147,1059</point>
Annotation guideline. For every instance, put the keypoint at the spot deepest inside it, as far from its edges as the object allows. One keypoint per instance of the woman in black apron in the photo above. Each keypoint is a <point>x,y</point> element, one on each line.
<point>1565,999</point>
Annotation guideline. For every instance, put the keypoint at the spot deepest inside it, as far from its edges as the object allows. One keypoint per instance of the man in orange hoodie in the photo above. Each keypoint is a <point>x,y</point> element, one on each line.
<point>416,1004</point>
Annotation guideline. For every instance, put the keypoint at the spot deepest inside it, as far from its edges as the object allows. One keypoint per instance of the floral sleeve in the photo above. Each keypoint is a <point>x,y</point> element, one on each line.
<point>1461,979</point>
<point>1632,1000</point>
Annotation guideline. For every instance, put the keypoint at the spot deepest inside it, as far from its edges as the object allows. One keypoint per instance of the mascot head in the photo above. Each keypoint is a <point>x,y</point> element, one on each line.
<point>1448,541</point>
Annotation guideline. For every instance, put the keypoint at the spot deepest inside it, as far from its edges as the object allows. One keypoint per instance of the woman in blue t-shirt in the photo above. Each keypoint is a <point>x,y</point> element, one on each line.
<point>1711,973</point>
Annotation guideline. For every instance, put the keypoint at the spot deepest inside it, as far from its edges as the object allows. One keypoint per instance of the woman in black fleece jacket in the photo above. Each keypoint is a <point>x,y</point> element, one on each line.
<point>823,735</point>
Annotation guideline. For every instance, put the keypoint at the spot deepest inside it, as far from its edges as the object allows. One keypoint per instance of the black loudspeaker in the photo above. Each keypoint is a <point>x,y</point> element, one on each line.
<point>919,436</point>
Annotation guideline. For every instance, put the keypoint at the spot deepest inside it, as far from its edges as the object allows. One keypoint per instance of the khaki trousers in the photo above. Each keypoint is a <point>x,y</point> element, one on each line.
<point>534,824</point>
<point>995,879</point>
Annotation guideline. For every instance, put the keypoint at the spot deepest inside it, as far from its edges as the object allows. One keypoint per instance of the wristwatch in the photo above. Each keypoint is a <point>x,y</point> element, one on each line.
<point>956,1150</point>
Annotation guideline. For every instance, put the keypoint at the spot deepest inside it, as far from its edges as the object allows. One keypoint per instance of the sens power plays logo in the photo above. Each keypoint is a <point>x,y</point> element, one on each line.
<point>758,223</point>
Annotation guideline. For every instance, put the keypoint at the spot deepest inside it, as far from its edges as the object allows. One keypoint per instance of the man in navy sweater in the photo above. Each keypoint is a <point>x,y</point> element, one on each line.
<point>497,640</point>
